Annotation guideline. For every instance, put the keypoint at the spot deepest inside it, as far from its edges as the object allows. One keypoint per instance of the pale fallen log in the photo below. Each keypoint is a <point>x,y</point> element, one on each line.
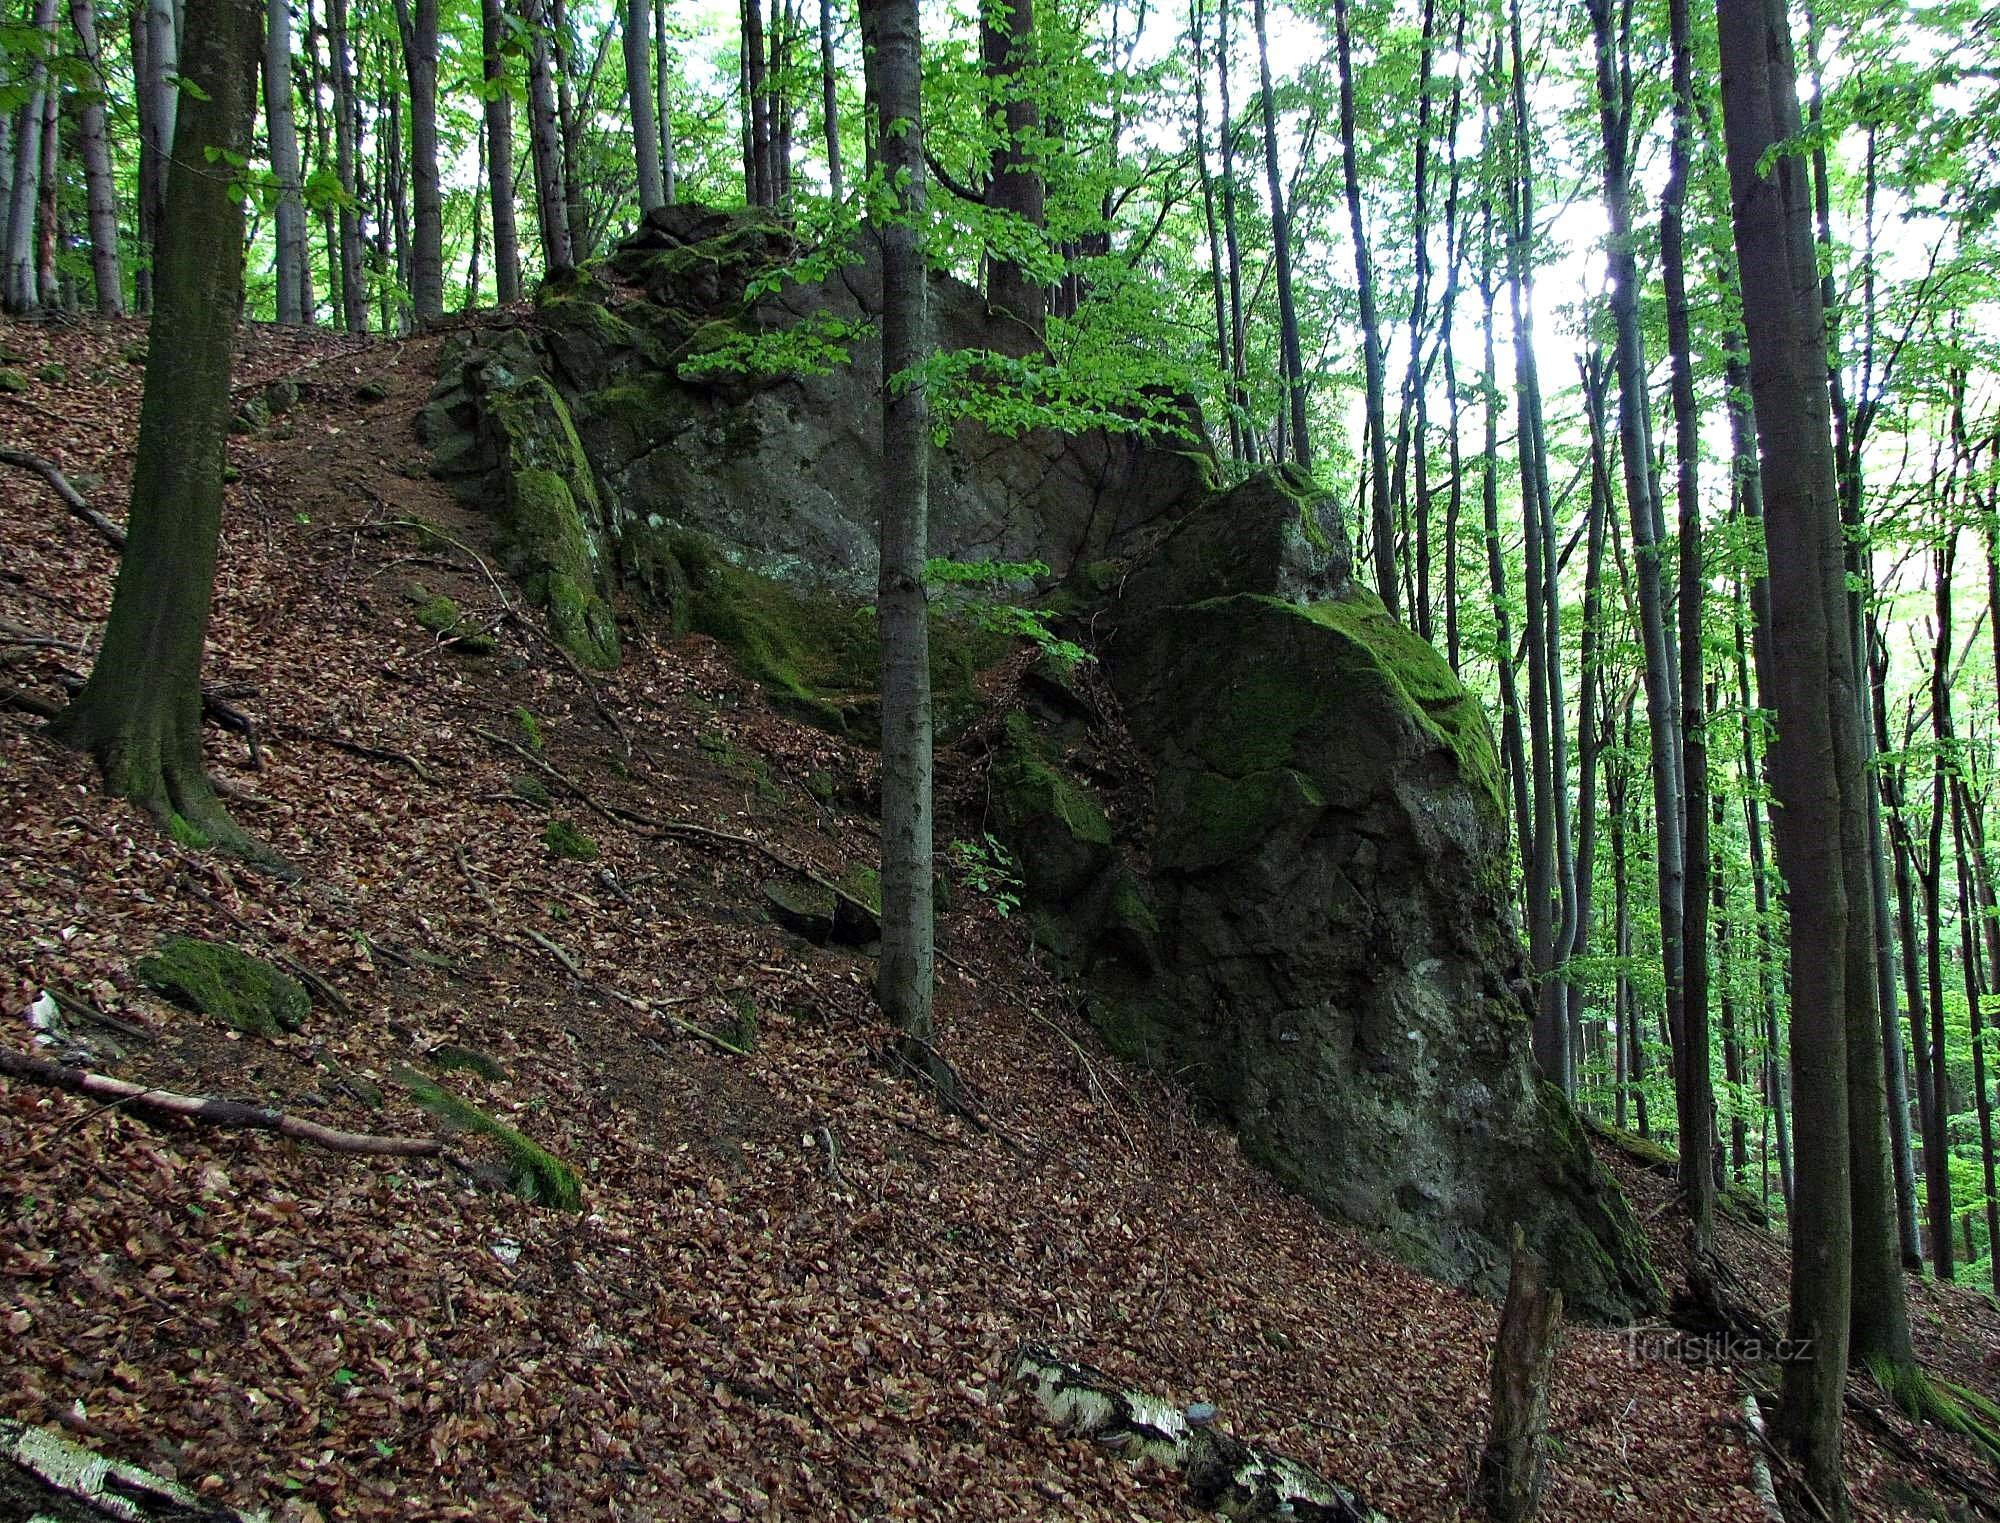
<point>46,1476</point>
<point>233,1114</point>
<point>1222,1472</point>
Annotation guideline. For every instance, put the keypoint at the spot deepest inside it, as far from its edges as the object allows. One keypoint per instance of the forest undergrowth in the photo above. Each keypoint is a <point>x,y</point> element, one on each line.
<point>794,1285</point>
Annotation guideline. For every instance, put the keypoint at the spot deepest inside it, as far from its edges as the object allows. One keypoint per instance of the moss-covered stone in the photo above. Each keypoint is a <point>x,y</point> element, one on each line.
<point>12,381</point>
<point>217,979</point>
<point>452,1058</point>
<point>1425,681</point>
<point>1062,836</point>
<point>537,1175</point>
<point>529,788</point>
<point>566,841</point>
<point>1220,816</point>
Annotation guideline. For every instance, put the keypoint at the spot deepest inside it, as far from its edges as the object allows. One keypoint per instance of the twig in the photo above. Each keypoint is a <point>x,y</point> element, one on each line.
<point>232,1114</point>
<point>77,1005</point>
<point>472,882</point>
<point>375,753</point>
<point>653,1007</point>
<point>72,499</point>
<point>555,951</point>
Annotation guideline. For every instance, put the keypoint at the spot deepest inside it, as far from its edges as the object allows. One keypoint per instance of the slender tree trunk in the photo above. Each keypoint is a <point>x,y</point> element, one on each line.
<point>48,215</point>
<point>162,67</point>
<point>757,170</point>
<point>1734,1069</point>
<point>544,142</point>
<point>500,153</point>
<point>139,713</point>
<point>1014,187</point>
<point>1661,667</point>
<point>1294,365</point>
<point>294,305</point>
<point>1198,32</point>
<point>638,45</point>
<point>905,979</point>
<point>1937,1144</point>
<point>829,79</point>
<point>569,131</point>
<point>1694,1081</point>
<point>347,154</point>
<point>1975,906</point>
<point>149,165</point>
<point>24,195</point>
<point>417,21</point>
<point>99,185</point>
<point>1239,394</point>
<point>1591,724</point>
<point>664,115</point>
<point>1384,528</point>
<point>1815,762</point>
<point>1496,568</point>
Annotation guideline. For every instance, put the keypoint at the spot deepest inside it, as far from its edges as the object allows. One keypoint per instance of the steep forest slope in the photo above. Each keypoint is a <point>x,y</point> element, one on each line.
<point>793,1287</point>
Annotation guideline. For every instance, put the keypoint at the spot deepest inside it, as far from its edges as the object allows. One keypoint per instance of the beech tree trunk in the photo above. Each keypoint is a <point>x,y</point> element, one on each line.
<point>1294,365</point>
<point>669,171</point>
<point>829,80</point>
<point>346,147</point>
<point>1815,762</point>
<point>905,978</point>
<point>500,152</point>
<point>99,186</point>
<point>1693,1080</point>
<point>139,713</point>
<point>639,91</point>
<point>417,21</point>
<point>18,286</point>
<point>293,268</point>
<point>1384,528</point>
<point>545,143</point>
<point>1014,190</point>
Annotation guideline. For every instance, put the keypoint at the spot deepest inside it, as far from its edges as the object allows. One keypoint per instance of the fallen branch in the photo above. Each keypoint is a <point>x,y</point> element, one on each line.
<point>556,952</point>
<point>652,1007</point>
<point>72,499</point>
<point>230,1114</point>
<point>1222,1472</point>
<point>44,1475</point>
<point>374,753</point>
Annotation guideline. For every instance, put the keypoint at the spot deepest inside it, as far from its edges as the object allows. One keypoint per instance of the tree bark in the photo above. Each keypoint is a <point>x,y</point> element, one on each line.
<point>639,91</point>
<point>139,713</point>
<point>417,21</point>
<point>545,143</point>
<point>500,152</point>
<point>829,80</point>
<point>1373,367</point>
<point>905,978</point>
<point>1815,761</point>
<point>1294,365</point>
<point>19,289</point>
<point>1514,1465</point>
<point>293,268</point>
<point>1014,188</point>
<point>664,115</point>
<point>346,147</point>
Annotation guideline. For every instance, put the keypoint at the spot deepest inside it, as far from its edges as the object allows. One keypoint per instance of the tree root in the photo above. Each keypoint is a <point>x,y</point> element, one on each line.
<point>230,1114</point>
<point>44,1475</point>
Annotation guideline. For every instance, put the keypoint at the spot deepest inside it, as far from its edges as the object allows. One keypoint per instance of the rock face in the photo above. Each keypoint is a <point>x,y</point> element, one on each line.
<point>1304,915</point>
<point>1264,828</point>
<point>741,420</point>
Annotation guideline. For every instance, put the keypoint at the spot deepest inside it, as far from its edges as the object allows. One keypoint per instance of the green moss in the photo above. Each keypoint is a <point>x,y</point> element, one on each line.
<point>453,1058</point>
<point>533,734</point>
<point>1420,674</point>
<point>1129,910</point>
<point>12,381</point>
<point>1223,817</point>
<point>582,622</point>
<point>537,1174</point>
<point>528,787</point>
<point>53,374</point>
<point>436,612</point>
<point>1033,790</point>
<point>565,840</point>
<point>187,833</point>
<point>217,979</point>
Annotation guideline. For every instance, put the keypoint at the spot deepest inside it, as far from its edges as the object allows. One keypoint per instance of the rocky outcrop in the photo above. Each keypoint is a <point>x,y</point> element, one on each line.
<point>1304,911</point>
<point>1264,828</point>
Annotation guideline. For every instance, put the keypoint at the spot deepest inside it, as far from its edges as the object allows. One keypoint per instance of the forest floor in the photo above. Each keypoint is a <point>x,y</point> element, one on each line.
<point>795,1285</point>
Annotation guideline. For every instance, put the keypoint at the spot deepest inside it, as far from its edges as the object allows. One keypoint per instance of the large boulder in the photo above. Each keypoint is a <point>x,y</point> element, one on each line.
<point>1304,912</point>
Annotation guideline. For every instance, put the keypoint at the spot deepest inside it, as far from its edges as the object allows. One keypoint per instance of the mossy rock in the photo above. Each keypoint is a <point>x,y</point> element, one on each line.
<point>529,788</point>
<point>802,907</point>
<point>536,1174</point>
<point>440,615</point>
<point>1061,834</point>
<point>452,1058</point>
<point>251,995</point>
<point>566,841</point>
<point>371,392</point>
